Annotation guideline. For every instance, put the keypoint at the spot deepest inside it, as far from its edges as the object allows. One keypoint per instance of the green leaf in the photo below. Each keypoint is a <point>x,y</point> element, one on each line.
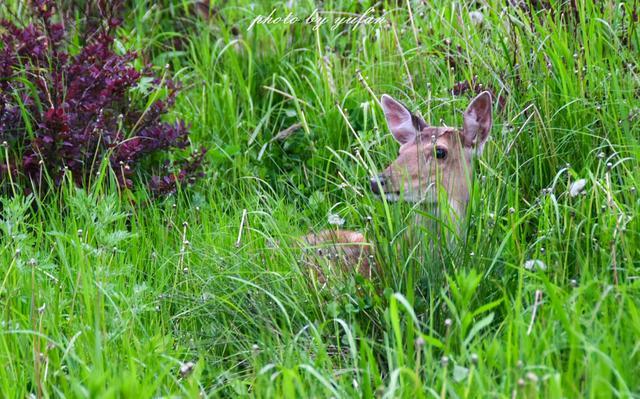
<point>477,327</point>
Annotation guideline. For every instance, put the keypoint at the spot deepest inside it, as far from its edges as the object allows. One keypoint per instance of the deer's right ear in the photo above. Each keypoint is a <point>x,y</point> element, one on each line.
<point>400,120</point>
<point>478,121</point>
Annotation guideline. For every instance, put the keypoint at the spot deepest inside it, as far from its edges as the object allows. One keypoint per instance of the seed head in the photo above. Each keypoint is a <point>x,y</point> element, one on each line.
<point>474,359</point>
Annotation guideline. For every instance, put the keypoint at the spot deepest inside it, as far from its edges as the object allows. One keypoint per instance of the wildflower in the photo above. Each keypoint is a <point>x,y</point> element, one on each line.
<point>535,264</point>
<point>476,17</point>
<point>335,220</point>
<point>532,377</point>
<point>186,369</point>
<point>577,187</point>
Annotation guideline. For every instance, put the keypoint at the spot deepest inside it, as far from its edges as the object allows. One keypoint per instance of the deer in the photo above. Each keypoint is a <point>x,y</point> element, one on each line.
<point>434,167</point>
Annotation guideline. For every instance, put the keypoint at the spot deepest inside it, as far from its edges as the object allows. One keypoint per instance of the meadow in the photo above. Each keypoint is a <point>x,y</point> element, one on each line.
<point>108,292</point>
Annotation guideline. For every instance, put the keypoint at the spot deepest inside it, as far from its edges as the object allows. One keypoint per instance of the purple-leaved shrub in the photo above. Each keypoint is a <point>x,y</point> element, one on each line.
<point>66,112</point>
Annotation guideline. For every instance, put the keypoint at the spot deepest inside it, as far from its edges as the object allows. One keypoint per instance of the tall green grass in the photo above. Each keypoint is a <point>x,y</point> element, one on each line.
<point>203,293</point>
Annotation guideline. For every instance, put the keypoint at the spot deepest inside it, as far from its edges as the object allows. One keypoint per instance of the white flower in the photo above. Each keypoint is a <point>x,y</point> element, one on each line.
<point>335,220</point>
<point>476,17</point>
<point>577,187</point>
<point>533,264</point>
<point>186,369</point>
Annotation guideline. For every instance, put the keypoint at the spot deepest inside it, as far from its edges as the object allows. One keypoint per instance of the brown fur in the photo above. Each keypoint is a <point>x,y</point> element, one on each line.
<point>344,248</point>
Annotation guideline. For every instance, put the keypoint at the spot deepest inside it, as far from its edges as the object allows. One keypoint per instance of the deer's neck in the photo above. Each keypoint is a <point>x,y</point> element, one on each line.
<point>443,222</point>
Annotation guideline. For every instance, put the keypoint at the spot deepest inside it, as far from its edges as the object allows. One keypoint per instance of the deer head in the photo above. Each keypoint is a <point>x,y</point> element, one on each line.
<point>433,160</point>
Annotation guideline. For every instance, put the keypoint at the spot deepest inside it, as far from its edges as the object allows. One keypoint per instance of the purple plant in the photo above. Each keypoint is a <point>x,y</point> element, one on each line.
<point>62,112</point>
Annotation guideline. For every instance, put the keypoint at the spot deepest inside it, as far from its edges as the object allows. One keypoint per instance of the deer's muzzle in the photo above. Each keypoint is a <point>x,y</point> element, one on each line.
<point>377,184</point>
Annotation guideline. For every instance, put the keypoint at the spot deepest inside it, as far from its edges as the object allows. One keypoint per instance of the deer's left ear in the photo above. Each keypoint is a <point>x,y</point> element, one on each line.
<point>478,121</point>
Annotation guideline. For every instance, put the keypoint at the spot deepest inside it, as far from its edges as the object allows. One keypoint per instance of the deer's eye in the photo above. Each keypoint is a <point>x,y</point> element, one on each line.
<point>441,153</point>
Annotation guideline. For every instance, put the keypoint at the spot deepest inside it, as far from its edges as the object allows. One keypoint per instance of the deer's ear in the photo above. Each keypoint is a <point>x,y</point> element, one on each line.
<point>478,121</point>
<point>403,124</point>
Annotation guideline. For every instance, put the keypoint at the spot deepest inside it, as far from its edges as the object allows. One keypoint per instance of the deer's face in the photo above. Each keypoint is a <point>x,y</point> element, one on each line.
<point>432,159</point>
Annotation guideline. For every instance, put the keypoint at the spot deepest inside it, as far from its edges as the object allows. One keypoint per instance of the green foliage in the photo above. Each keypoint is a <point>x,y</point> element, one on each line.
<point>204,293</point>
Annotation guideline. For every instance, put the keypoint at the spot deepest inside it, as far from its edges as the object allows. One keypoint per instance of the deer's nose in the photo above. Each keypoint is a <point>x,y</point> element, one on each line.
<point>377,184</point>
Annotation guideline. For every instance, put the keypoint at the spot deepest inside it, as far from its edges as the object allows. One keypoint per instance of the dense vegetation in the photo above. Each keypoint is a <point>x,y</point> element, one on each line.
<point>110,290</point>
